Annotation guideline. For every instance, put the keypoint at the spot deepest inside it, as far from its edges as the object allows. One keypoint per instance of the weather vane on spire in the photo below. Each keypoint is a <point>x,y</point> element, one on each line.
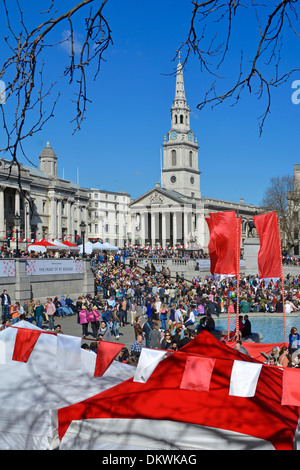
<point>178,55</point>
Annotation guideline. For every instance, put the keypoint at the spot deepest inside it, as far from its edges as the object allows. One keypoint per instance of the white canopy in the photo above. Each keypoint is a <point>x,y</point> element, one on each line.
<point>108,246</point>
<point>88,248</point>
<point>99,246</point>
<point>37,248</point>
<point>57,373</point>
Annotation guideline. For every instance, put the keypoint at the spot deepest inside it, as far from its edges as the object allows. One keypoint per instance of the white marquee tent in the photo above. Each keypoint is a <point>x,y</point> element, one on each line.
<point>40,377</point>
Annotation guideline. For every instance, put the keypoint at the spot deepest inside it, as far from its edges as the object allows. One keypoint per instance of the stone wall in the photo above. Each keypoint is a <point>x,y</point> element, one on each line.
<point>23,287</point>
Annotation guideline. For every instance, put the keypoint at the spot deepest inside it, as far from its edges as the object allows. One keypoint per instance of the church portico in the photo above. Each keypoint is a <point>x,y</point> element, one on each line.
<point>159,220</point>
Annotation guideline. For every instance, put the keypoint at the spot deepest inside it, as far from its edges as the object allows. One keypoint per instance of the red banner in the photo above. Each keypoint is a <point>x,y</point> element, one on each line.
<point>269,256</point>
<point>222,247</point>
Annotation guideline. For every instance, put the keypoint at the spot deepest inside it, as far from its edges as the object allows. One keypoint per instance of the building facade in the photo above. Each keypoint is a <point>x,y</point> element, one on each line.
<point>44,207</point>
<point>108,216</point>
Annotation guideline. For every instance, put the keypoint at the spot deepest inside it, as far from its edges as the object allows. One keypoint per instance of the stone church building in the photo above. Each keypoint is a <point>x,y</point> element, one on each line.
<point>173,212</point>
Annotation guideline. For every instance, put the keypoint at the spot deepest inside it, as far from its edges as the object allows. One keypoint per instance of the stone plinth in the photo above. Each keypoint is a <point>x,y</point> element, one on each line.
<point>251,249</point>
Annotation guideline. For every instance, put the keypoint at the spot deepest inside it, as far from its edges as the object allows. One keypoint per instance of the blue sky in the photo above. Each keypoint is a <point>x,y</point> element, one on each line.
<point>119,145</point>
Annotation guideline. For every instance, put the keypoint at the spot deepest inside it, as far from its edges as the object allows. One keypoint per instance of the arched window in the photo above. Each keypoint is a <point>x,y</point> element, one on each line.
<point>181,118</point>
<point>175,119</point>
<point>173,157</point>
<point>191,159</point>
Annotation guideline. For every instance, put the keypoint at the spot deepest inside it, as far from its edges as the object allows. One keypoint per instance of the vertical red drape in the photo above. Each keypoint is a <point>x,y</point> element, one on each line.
<point>269,255</point>
<point>222,245</point>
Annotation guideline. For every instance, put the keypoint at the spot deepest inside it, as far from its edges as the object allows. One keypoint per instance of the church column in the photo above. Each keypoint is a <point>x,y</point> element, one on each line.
<point>59,218</point>
<point>185,228</point>
<point>164,229</point>
<point>17,202</point>
<point>2,213</point>
<point>133,222</point>
<point>200,226</point>
<point>153,228</point>
<point>143,228</point>
<point>175,232</point>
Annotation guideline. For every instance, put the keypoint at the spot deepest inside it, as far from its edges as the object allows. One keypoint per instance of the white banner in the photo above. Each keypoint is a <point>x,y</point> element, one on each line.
<point>7,268</point>
<point>39,267</point>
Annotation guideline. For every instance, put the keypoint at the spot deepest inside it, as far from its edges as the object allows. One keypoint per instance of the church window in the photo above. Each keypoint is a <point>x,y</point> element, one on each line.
<point>175,118</point>
<point>181,118</point>
<point>174,158</point>
<point>191,158</point>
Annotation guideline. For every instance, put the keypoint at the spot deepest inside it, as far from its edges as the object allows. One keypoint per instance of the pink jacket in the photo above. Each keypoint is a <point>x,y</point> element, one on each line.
<point>93,316</point>
<point>51,309</point>
<point>83,316</point>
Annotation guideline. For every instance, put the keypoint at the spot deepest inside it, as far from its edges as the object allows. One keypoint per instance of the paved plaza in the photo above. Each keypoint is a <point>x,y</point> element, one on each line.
<point>70,326</point>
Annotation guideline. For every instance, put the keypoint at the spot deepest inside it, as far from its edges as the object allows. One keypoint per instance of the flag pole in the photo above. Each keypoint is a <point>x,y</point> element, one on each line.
<point>282,281</point>
<point>238,254</point>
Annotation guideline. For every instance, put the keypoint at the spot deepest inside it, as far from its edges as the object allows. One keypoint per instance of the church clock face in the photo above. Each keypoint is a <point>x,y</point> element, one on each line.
<point>173,135</point>
<point>173,179</point>
<point>190,136</point>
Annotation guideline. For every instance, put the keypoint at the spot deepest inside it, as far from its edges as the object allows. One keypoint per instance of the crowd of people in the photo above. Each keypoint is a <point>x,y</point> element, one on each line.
<point>165,312</point>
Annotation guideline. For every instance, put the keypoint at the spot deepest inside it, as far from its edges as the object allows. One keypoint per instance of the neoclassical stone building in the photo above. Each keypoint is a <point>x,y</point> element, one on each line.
<point>174,212</point>
<point>48,206</point>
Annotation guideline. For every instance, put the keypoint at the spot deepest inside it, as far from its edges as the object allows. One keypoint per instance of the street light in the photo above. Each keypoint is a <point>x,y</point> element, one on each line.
<point>17,225</point>
<point>82,227</point>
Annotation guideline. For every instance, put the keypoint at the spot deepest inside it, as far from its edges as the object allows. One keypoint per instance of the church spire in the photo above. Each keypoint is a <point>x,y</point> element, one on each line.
<point>180,98</point>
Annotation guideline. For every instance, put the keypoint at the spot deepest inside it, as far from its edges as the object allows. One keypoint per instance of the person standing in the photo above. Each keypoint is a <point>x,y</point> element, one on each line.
<point>147,328</point>
<point>5,302</point>
<point>163,316</point>
<point>138,329</point>
<point>83,320</point>
<point>247,327</point>
<point>50,312</point>
<point>133,312</point>
<point>94,319</point>
<point>38,313</point>
<point>116,322</point>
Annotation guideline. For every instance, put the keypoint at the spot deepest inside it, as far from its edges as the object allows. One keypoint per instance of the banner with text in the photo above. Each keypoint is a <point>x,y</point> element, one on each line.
<point>39,267</point>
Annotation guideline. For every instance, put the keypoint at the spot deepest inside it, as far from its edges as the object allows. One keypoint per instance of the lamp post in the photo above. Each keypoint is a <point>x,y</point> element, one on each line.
<point>82,227</point>
<point>17,225</point>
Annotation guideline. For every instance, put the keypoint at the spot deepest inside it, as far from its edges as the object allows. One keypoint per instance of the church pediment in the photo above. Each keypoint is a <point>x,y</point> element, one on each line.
<point>158,197</point>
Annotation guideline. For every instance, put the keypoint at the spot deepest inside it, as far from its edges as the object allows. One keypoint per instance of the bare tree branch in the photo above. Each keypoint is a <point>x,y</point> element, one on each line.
<point>23,71</point>
<point>280,20</point>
